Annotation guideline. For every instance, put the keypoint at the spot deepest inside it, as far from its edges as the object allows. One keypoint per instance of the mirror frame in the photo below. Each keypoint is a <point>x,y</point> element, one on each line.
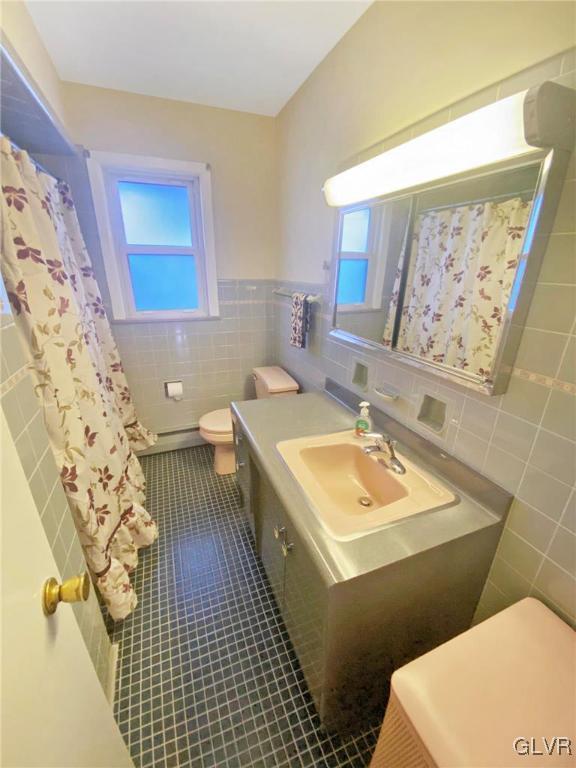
<point>553,166</point>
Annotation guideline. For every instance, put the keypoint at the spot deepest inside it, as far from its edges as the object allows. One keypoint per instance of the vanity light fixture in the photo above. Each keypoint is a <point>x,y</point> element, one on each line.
<point>513,127</point>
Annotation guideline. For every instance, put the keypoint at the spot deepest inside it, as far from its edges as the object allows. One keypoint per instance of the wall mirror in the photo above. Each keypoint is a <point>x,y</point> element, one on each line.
<point>440,239</point>
<point>434,277</point>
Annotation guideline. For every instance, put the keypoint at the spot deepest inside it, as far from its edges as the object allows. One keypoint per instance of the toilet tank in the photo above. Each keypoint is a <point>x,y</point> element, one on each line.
<point>273,381</point>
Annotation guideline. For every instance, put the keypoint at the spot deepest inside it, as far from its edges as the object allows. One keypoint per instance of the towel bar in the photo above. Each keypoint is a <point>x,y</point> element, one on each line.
<point>313,298</point>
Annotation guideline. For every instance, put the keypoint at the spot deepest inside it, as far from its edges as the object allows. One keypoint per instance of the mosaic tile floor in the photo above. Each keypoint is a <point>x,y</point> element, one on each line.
<point>207,675</point>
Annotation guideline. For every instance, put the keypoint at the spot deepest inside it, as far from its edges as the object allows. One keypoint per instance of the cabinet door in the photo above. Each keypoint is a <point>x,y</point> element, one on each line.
<point>304,612</point>
<point>270,536</point>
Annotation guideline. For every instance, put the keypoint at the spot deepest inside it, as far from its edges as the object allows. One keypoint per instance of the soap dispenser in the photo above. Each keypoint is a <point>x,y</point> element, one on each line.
<point>363,422</point>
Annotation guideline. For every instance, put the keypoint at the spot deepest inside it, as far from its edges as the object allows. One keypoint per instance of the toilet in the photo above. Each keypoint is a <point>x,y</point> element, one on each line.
<point>216,426</point>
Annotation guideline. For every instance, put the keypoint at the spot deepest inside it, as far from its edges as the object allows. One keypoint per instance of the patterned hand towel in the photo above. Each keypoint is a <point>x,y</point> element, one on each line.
<point>299,320</point>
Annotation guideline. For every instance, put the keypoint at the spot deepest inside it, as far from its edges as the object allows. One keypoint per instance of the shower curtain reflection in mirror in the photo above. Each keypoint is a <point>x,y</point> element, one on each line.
<point>462,265</point>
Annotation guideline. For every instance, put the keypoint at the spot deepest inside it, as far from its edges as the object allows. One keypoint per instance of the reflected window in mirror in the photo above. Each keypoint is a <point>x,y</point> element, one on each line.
<point>352,276</point>
<point>355,231</point>
<point>4,300</point>
<point>354,259</point>
<point>369,248</point>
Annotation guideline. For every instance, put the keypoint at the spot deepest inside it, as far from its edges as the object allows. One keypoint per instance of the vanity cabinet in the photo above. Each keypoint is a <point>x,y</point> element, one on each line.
<point>351,633</point>
<point>297,584</point>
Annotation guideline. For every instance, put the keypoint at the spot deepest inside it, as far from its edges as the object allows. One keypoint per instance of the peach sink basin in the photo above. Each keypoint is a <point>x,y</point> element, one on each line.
<point>353,493</point>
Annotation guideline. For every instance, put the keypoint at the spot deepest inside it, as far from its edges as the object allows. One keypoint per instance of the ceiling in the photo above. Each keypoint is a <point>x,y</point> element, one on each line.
<point>250,56</point>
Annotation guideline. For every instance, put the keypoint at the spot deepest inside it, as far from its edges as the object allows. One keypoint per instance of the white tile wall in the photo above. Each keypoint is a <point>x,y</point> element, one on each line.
<point>212,358</point>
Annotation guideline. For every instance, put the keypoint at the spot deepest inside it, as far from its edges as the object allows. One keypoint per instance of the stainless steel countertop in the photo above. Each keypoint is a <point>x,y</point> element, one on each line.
<point>266,422</point>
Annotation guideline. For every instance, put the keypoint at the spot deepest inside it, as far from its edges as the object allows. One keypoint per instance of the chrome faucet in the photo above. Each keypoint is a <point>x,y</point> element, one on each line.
<point>384,444</point>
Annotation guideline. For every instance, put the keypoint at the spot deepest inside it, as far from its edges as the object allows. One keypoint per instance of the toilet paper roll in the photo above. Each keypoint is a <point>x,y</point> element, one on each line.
<point>174,390</point>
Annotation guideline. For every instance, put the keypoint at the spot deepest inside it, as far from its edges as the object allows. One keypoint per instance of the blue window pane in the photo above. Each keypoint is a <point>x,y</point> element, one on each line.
<point>163,282</point>
<point>352,275</point>
<point>155,214</point>
<point>355,226</point>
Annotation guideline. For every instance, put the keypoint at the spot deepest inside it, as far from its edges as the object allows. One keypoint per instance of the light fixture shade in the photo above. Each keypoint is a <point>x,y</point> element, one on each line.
<point>486,136</point>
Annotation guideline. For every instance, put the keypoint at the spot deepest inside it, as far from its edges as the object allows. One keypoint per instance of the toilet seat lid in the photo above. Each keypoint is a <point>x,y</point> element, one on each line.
<point>219,422</point>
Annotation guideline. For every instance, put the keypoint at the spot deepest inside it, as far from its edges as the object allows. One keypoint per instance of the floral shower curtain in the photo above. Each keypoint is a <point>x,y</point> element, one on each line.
<point>89,415</point>
<point>462,267</point>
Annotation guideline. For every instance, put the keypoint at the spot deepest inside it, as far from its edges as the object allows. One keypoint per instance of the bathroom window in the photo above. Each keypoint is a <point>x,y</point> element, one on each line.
<point>155,223</point>
<point>359,275</point>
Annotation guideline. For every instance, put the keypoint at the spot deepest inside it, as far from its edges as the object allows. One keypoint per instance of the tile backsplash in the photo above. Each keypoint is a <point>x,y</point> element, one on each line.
<point>524,439</point>
<point>509,438</point>
<point>212,358</point>
<point>25,421</point>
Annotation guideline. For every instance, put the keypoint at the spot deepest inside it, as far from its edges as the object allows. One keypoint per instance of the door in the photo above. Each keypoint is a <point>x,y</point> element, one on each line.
<point>54,711</point>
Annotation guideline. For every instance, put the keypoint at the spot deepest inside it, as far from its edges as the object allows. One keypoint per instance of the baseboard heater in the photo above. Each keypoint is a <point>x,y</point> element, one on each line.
<point>172,440</point>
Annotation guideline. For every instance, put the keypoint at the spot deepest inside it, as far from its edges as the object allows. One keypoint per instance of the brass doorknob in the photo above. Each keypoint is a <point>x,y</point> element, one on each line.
<point>73,590</point>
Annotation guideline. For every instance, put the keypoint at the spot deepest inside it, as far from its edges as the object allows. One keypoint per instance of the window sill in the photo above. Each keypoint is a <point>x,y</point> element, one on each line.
<point>357,308</point>
<point>168,319</point>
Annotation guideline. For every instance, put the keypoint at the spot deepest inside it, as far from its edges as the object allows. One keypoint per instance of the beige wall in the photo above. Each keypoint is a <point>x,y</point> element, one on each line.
<point>23,40</point>
<point>239,146</point>
<point>401,62</point>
